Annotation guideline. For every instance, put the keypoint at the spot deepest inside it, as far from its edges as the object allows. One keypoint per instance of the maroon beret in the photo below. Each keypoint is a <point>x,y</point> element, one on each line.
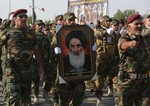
<point>19,11</point>
<point>133,17</point>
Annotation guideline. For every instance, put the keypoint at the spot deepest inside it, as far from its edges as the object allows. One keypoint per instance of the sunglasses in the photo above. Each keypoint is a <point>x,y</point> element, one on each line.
<point>72,19</point>
<point>116,25</point>
<point>23,16</point>
<point>138,23</point>
<point>40,24</point>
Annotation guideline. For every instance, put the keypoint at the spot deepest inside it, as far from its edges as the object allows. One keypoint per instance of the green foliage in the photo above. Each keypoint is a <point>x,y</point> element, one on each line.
<point>47,21</point>
<point>145,15</point>
<point>125,14</point>
<point>29,20</point>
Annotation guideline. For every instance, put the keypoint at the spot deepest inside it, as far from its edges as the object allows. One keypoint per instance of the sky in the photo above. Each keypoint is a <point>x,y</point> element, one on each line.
<point>56,7</point>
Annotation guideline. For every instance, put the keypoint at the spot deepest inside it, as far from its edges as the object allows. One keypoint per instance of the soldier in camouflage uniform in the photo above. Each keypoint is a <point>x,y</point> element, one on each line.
<point>146,35</point>
<point>54,62</point>
<point>7,22</point>
<point>44,47</point>
<point>146,29</point>
<point>3,25</point>
<point>133,64</point>
<point>112,74</point>
<point>18,44</point>
<point>106,61</point>
<point>73,91</point>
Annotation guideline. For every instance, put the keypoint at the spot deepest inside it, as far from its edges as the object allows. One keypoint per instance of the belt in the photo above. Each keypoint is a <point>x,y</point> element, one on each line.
<point>136,76</point>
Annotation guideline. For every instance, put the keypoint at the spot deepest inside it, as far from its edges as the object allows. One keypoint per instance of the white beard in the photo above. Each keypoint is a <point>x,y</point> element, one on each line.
<point>77,61</point>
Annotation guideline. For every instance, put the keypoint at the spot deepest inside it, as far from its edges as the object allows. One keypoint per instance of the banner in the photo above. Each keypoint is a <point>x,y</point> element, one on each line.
<point>88,10</point>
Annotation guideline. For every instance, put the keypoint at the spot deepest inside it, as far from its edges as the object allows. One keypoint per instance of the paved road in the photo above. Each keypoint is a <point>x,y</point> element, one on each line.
<point>90,100</point>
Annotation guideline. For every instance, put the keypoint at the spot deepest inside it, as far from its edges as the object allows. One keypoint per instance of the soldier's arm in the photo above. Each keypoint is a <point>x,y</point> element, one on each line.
<point>1,72</point>
<point>125,45</point>
<point>6,23</point>
<point>99,34</point>
<point>2,40</point>
<point>39,61</point>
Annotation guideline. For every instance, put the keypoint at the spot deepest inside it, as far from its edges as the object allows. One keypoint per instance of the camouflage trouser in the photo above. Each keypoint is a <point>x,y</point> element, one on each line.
<point>107,69</point>
<point>1,71</point>
<point>35,80</point>
<point>131,92</point>
<point>1,74</point>
<point>115,86</point>
<point>146,94</point>
<point>54,95</point>
<point>17,85</point>
<point>50,77</point>
<point>48,81</point>
<point>73,91</point>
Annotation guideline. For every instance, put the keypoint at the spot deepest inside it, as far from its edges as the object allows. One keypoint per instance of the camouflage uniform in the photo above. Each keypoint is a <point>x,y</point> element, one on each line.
<point>5,24</point>
<point>71,91</point>
<point>35,79</point>
<point>17,46</point>
<point>133,72</point>
<point>107,59</point>
<point>146,100</point>
<point>54,63</point>
<point>44,47</point>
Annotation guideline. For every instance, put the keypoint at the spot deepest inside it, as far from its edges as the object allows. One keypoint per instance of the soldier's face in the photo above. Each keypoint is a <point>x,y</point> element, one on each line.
<point>147,22</point>
<point>107,23</point>
<point>70,21</point>
<point>46,32</point>
<point>20,20</point>
<point>135,28</point>
<point>115,27</point>
<point>39,27</point>
<point>60,22</point>
<point>75,46</point>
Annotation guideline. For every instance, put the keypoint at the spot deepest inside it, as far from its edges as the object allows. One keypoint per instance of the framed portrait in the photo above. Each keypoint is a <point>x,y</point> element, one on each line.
<point>77,59</point>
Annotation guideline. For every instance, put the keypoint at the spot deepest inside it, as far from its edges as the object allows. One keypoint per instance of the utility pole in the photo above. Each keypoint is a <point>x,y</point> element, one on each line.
<point>9,6</point>
<point>33,13</point>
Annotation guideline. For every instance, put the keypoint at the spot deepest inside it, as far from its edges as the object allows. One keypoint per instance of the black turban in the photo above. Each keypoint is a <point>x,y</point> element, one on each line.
<point>78,34</point>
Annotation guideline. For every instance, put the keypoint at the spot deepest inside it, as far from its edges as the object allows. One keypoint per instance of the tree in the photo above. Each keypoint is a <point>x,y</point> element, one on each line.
<point>29,20</point>
<point>125,14</point>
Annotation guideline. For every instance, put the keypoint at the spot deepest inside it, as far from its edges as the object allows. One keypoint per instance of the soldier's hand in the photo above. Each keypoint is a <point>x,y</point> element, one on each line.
<point>57,50</point>
<point>110,31</point>
<point>42,74</point>
<point>122,31</point>
<point>94,47</point>
<point>133,44</point>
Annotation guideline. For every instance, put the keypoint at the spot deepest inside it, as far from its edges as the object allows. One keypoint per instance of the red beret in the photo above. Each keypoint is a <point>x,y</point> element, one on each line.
<point>133,17</point>
<point>19,11</point>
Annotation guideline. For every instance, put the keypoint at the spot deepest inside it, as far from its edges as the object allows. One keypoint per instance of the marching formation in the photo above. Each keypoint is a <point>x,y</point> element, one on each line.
<point>30,55</point>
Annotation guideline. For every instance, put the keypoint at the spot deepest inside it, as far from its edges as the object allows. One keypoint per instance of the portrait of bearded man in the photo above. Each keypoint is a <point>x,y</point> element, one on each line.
<point>77,62</point>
